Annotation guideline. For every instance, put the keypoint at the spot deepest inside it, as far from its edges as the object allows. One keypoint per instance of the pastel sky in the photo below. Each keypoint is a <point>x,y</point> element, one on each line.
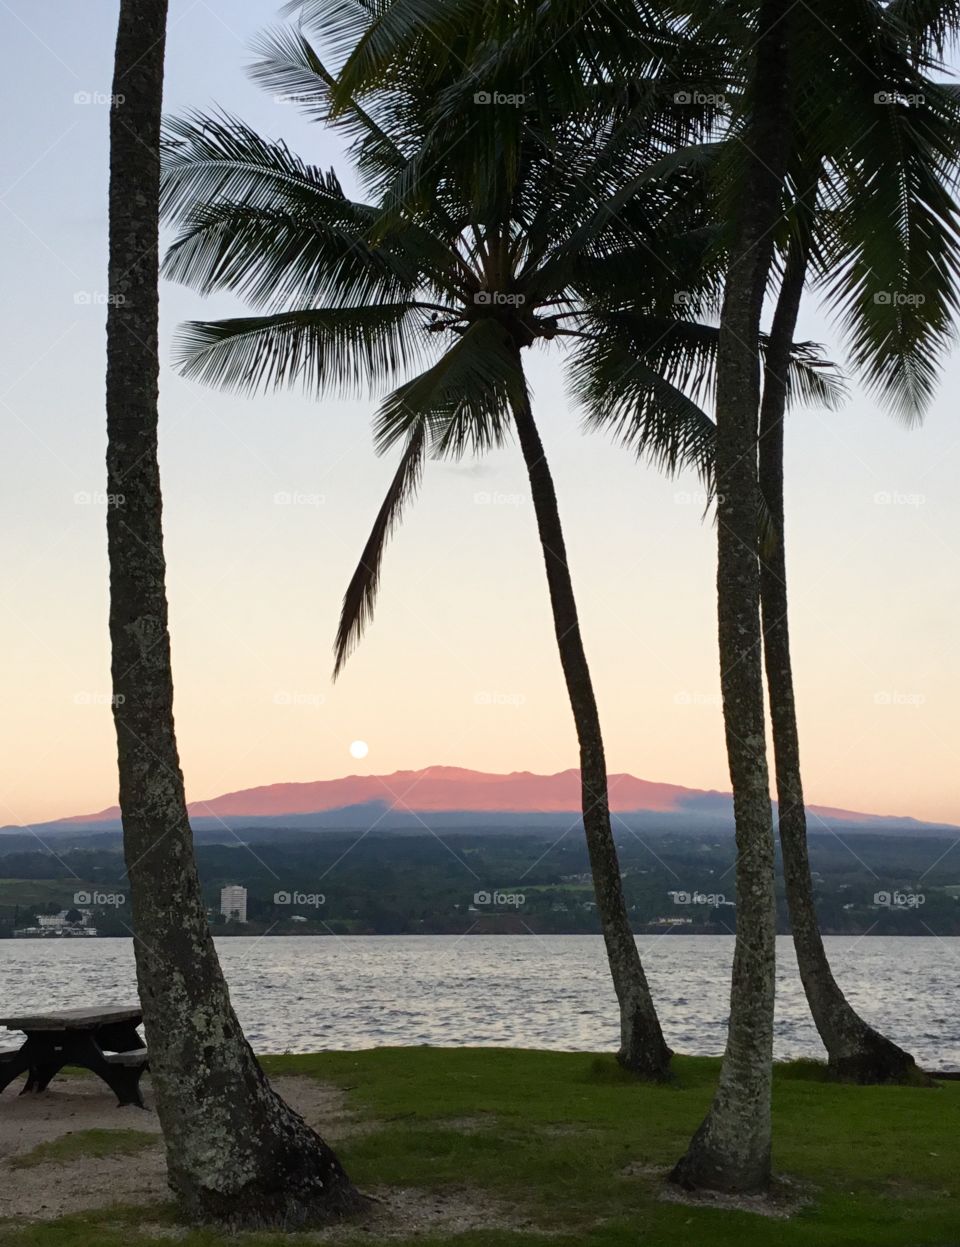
<point>460,666</point>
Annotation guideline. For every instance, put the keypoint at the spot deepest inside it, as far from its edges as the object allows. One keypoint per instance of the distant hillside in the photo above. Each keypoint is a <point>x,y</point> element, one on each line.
<point>455,797</point>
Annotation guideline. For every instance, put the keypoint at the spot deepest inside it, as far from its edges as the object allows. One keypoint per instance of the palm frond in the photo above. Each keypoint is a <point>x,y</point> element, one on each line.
<point>330,350</point>
<point>648,414</point>
<point>360,598</point>
<point>812,379</point>
<point>207,158</point>
<point>465,397</point>
<point>929,26</point>
<point>288,64</point>
<point>274,259</point>
<point>891,249</point>
<point>651,380</point>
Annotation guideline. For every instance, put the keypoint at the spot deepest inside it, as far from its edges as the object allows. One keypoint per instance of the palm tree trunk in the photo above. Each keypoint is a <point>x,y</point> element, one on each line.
<point>731,1149</point>
<point>856,1052</point>
<point>642,1046</point>
<point>235,1151</point>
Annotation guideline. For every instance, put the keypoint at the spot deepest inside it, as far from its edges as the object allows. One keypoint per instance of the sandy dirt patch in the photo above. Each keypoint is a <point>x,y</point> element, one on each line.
<point>782,1202</point>
<point>52,1188</point>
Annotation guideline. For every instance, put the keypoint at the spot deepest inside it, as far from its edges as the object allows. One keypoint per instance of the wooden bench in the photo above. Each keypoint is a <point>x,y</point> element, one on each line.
<point>104,1041</point>
<point>137,1057</point>
<point>133,1064</point>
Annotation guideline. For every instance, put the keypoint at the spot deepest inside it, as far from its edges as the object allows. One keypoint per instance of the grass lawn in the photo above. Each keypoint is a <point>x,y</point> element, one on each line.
<point>564,1141</point>
<point>85,1143</point>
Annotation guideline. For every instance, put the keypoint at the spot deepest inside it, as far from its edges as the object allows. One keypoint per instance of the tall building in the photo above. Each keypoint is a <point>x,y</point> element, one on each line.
<point>233,902</point>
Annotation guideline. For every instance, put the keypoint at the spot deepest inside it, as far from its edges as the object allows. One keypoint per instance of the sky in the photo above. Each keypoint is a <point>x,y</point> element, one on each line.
<point>268,503</point>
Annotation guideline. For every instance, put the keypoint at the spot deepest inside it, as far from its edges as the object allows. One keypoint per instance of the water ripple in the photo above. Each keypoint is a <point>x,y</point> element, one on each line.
<point>300,994</point>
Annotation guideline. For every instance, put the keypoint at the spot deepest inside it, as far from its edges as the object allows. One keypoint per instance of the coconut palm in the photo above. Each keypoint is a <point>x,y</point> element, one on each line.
<point>731,1150</point>
<point>887,219</point>
<point>874,224</point>
<point>878,236</point>
<point>235,1151</point>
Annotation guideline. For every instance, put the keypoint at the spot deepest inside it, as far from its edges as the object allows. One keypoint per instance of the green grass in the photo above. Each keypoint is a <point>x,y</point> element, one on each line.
<point>85,1143</point>
<point>572,1144</point>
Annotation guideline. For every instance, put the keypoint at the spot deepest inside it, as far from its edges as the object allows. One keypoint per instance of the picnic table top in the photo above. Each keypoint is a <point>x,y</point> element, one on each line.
<point>74,1019</point>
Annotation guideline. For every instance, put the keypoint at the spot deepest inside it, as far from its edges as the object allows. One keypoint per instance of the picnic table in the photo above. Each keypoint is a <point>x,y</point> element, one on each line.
<point>82,1037</point>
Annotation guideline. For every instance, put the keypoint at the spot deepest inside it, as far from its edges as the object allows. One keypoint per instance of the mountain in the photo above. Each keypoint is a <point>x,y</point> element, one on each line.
<point>452,796</point>
<point>437,788</point>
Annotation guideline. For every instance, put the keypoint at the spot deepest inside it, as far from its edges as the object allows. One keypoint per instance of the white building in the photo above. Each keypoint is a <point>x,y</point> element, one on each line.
<point>50,926</point>
<point>233,902</point>
<point>57,922</point>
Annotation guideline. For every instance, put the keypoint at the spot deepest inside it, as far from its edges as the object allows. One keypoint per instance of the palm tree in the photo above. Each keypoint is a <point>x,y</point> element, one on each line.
<point>883,221</point>
<point>856,1052</point>
<point>873,220</point>
<point>493,263</point>
<point>235,1151</point>
<point>886,220</point>
<point>731,1150</point>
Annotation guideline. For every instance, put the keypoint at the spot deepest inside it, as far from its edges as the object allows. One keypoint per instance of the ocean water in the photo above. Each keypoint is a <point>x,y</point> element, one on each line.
<point>300,994</point>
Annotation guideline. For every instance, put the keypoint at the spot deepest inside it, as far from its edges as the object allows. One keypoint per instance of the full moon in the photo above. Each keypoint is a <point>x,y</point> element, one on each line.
<point>359,748</point>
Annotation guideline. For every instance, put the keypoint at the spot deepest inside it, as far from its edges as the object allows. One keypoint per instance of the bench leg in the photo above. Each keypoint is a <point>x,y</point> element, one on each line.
<point>16,1066</point>
<point>40,1077</point>
<point>123,1080</point>
<point>39,1056</point>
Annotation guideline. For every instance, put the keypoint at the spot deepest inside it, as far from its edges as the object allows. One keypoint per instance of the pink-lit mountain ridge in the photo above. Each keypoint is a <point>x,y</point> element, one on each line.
<point>406,797</point>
